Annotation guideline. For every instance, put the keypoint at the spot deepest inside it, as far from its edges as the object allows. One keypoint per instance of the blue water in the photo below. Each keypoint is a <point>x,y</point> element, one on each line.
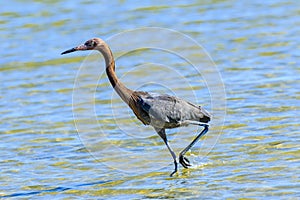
<point>44,152</point>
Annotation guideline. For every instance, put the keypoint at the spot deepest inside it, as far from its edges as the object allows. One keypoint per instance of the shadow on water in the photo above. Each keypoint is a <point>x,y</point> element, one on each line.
<point>56,189</point>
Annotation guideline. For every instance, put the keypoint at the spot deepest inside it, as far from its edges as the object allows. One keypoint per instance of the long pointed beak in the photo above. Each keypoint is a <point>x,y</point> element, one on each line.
<point>79,48</point>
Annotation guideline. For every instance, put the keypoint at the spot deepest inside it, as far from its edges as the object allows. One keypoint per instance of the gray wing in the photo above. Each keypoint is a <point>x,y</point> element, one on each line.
<point>171,111</point>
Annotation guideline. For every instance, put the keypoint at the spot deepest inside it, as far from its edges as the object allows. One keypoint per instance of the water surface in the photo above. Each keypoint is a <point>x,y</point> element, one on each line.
<point>255,46</point>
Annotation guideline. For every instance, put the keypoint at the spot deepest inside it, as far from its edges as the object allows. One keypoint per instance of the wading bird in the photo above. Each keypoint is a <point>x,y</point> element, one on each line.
<point>161,111</point>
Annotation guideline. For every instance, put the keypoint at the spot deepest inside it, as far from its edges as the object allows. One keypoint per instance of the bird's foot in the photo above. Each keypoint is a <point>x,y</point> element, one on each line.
<point>173,173</point>
<point>175,170</point>
<point>184,161</point>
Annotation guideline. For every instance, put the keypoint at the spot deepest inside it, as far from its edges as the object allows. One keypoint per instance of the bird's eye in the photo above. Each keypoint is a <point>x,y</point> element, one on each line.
<point>90,43</point>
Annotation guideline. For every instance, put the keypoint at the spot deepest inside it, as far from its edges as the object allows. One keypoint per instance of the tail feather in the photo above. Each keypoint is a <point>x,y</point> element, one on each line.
<point>206,115</point>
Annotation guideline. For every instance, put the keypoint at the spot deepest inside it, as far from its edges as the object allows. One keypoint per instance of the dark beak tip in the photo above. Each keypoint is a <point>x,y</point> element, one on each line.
<point>63,53</point>
<point>68,51</point>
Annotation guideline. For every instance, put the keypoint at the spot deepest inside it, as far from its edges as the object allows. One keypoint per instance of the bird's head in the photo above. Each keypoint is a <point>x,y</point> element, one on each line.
<point>92,44</point>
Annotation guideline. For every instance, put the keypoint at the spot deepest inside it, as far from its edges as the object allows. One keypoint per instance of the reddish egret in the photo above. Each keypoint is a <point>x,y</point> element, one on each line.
<point>161,111</point>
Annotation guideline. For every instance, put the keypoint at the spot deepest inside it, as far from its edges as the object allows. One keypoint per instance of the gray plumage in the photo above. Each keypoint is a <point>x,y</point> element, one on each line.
<point>166,111</point>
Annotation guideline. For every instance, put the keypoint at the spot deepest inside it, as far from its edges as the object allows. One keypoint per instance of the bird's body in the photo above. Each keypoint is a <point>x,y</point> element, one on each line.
<point>165,111</point>
<point>161,111</point>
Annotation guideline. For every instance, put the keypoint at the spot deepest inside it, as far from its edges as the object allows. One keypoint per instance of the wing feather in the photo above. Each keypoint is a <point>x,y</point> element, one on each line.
<point>170,109</point>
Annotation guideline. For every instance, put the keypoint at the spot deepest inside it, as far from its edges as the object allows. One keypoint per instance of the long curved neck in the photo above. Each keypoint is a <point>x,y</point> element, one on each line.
<point>118,86</point>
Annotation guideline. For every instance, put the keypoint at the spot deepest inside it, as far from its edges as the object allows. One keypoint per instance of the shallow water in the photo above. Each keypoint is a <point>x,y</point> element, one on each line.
<point>57,143</point>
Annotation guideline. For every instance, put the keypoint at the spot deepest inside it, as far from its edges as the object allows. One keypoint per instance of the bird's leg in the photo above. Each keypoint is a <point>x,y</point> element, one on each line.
<point>162,134</point>
<point>183,160</point>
